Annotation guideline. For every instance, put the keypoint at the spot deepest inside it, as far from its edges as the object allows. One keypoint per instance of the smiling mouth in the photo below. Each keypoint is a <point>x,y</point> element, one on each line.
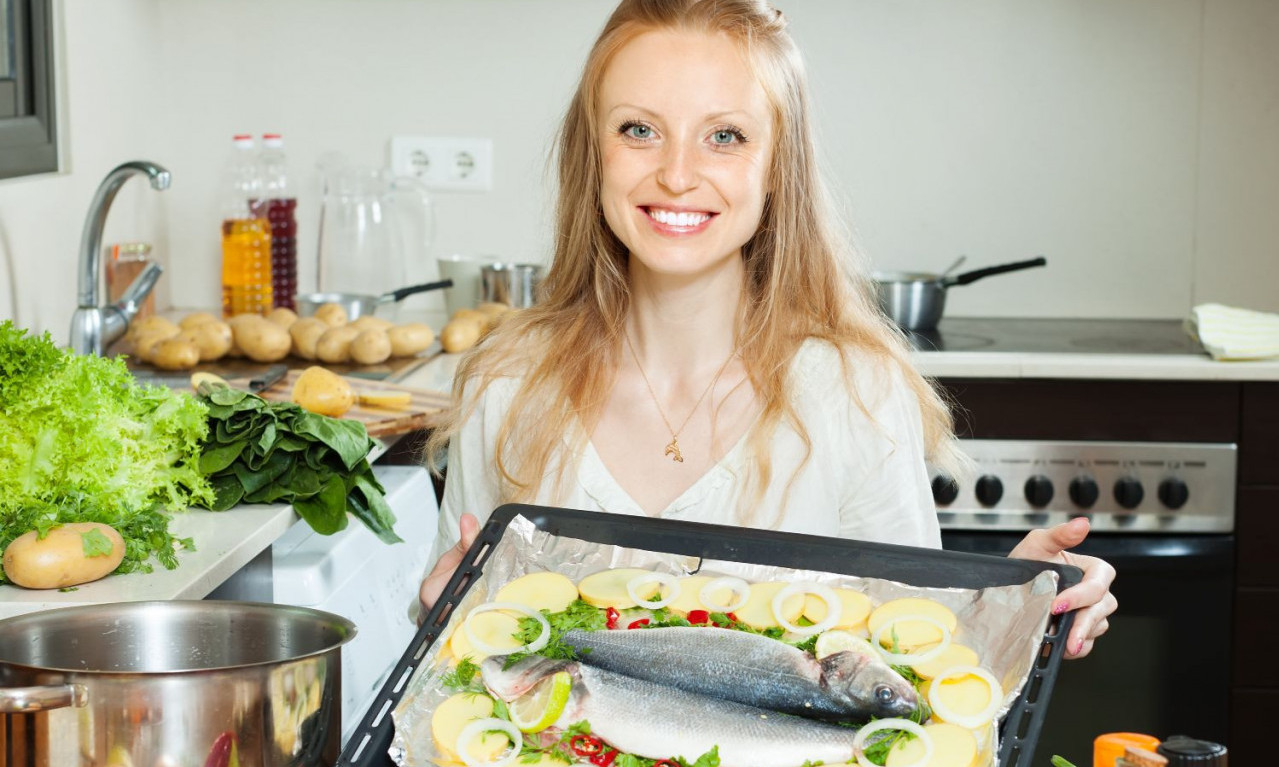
<point>679,219</point>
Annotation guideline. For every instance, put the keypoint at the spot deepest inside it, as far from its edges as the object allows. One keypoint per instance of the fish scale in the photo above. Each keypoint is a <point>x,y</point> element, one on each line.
<point>752,669</point>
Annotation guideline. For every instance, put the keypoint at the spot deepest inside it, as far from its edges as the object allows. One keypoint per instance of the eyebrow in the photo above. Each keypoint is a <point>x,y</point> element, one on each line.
<point>710,117</point>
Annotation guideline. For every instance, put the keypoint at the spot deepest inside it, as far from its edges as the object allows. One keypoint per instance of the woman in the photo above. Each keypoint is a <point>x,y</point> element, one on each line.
<point>702,351</point>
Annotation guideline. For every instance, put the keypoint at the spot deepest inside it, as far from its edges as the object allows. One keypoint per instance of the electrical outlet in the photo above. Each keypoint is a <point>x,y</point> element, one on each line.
<point>453,164</point>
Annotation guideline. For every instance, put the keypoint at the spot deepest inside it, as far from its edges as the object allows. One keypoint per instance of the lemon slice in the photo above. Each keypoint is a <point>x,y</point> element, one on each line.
<point>837,640</point>
<point>200,377</point>
<point>539,709</point>
<point>391,400</point>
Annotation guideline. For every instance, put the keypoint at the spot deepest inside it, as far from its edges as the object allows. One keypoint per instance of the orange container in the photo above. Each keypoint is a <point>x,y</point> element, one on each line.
<point>1107,749</point>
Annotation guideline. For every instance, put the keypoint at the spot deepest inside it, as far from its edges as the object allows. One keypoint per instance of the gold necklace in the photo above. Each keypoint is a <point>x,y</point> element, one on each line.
<point>672,449</point>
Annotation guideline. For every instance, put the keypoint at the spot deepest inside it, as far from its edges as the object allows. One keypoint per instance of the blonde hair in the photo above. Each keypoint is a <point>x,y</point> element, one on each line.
<point>798,282</point>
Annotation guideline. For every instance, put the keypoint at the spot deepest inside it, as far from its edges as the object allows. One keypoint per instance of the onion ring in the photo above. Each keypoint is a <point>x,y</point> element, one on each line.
<point>542,640</point>
<point>672,589</point>
<point>740,588</point>
<point>480,726</point>
<point>976,720</point>
<point>859,741</point>
<point>827,594</point>
<point>905,658</point>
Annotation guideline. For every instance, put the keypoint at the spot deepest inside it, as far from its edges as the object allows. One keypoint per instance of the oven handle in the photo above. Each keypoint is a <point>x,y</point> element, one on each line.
<point>1145,552</point>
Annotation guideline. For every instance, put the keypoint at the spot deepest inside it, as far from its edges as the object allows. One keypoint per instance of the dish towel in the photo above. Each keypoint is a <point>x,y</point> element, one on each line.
<point>1228,333</point>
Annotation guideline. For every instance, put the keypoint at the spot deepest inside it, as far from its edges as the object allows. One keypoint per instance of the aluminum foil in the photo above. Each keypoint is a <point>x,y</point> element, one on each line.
<point>1005,625</point>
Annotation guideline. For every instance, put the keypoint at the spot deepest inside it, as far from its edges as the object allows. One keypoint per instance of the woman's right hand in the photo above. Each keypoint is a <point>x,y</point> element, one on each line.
<point>433,584</point>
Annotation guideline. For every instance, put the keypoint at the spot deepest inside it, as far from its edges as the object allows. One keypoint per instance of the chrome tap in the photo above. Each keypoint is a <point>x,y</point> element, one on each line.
<point>94,327</point>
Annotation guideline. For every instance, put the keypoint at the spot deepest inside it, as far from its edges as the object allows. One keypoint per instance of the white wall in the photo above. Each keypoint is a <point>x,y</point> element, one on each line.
<point>1134,142</point>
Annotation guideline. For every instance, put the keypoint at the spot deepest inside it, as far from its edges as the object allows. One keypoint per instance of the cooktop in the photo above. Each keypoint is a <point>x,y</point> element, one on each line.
<point>1057,336</point>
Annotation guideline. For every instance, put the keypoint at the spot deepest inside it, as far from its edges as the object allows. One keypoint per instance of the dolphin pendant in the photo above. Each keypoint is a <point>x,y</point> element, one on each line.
<point>673,451</point>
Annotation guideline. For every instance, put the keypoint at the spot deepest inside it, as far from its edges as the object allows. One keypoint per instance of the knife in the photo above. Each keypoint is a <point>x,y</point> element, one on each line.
<point>264,380</point>
<point>267,378</point>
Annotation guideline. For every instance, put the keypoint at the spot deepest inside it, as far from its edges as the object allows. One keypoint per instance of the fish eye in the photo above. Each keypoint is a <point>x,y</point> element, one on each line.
<point>884,693</point>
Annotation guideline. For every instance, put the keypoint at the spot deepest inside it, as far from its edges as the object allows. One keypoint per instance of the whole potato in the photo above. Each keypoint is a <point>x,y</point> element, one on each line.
<point>212,339</point>
<point>492,308</point>
<point>333,314</point>
<point>370,347</point>
<point>368,321</point>
<point>236,320</point>
<point>175,354</point>
<point>460,335</point>
<point>322,391</point>
<point>59,559</point>
<point>283,316</point>
<point>471,314</point>
<point>409,339</point>
<point>144,343</point>
<point>153,323</point>
<point>196,319</point>
<point>262,341</point>
<point>335,344</point>
<point>306,333</point>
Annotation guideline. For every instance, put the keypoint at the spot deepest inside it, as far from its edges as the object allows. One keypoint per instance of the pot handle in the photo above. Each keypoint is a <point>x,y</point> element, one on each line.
<point>977,274</point>
<point>29,700</point>
<point>403,293</point>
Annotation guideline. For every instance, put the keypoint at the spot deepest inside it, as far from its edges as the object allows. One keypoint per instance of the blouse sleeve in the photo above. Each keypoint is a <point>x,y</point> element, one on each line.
<point>888,497</point>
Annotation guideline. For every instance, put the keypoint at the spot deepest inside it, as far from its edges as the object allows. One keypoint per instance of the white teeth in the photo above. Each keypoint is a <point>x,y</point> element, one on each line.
<point>677,219</point>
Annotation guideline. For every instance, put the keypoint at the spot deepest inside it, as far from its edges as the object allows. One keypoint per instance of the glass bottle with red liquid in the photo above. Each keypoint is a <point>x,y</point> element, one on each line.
<point>281,212</point>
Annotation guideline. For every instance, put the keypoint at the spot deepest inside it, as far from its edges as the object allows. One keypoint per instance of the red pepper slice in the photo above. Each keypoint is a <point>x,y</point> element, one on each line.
<point>699,617</point>
<point>586,745</point>
<point>612,614</point>
<point>638,623</point>
<point>732,617</point>
<point>667,763</point>
<point>604,758</point>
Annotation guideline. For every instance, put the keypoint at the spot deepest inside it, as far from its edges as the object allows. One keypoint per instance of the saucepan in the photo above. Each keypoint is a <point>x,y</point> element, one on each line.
<point>358,304</point>
<point>915,300</point>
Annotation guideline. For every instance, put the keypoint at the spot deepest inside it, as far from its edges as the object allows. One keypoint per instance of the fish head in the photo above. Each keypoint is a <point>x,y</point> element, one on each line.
<point>509,682</point>
<point>867,683</point>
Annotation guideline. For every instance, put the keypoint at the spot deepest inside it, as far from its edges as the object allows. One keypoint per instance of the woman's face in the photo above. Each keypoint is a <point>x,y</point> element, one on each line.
<point>686,138</point>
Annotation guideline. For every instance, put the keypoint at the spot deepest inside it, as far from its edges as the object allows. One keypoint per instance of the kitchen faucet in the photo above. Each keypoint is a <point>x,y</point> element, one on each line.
<point>94,327</point>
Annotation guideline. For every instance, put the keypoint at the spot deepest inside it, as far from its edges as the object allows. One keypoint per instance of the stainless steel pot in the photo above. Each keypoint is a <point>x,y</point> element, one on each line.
<point>512,284</point>
<point>916,300</point>
<point>359,304</point>
<point>171,683</point>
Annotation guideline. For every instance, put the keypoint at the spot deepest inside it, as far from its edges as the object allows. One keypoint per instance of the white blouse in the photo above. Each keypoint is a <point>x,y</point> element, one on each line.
<point>864,479</point>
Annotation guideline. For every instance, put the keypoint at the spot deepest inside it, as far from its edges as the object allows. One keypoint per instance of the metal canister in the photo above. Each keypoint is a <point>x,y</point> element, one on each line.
<point>512,284</point>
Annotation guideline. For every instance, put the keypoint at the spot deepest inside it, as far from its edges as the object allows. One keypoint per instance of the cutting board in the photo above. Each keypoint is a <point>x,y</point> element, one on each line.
<point>423,411</point>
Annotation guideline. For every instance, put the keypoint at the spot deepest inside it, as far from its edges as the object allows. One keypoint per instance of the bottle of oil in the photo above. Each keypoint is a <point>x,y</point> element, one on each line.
<point>246,236</point>
<point>281,208</point>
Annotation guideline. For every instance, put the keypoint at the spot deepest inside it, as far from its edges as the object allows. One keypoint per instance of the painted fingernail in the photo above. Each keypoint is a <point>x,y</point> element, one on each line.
<point>1079,646</point>
<point>1061,607</point>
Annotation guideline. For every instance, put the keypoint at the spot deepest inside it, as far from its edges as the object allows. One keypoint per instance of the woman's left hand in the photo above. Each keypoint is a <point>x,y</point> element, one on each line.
<point>1091,596</point>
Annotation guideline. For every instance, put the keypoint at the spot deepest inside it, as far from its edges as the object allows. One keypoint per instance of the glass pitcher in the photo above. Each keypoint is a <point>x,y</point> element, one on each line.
<point>372,226</point>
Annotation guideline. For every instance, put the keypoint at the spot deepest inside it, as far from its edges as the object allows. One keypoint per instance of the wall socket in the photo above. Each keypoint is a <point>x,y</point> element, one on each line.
<point>454,164</point>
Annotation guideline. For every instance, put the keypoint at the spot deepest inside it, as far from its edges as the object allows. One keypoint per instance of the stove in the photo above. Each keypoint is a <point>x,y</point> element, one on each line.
<point>1057,336</point>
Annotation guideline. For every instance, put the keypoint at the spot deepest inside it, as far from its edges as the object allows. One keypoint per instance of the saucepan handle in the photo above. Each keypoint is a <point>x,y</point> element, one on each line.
<point>977,274</point>
<point>28,700</point>
<point>403,293</point>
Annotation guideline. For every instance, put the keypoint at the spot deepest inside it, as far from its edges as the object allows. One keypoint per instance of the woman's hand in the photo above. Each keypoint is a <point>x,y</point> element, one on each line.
<point>1091,596</point>
<point>433,584</point>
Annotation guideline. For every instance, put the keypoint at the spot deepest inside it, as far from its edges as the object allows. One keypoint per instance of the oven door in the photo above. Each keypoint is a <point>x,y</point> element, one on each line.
<point>1164,666</point>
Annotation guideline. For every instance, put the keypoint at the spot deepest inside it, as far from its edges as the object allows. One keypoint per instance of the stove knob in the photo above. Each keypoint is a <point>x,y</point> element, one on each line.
<point>1084,492</point>
<point>1039,491</point>
<point>989,490</point>
<point>945,489</point>
<point>1129,492</point>
<point>1173,493</point>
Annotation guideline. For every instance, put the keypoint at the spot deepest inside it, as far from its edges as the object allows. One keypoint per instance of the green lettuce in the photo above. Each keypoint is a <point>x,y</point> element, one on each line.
<point>80,440</point>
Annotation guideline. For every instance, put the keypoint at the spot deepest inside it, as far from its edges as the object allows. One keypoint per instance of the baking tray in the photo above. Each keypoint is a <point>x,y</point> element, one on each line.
<point>928,568</point>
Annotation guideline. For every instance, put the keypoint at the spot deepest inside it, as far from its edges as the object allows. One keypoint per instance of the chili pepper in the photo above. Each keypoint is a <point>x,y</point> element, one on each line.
<point>612,614</point>
<point>733,617</point>
<point>697,617</point>
<point>638,623</point>
<point>586,745</point>
<point>667,763</point>
<point>604,758</point>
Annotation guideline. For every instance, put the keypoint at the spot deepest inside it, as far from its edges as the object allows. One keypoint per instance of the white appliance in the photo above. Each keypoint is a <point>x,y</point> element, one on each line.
<point>366,581</point>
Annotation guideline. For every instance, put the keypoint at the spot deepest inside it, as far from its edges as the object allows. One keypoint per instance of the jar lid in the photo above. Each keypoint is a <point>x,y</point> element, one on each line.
<point>1140,757</point>
<point>1182,750</point>
<point>129,250</point>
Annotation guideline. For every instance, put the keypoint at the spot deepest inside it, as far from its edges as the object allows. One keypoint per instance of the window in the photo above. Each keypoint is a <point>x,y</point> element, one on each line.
<point>27,137</point>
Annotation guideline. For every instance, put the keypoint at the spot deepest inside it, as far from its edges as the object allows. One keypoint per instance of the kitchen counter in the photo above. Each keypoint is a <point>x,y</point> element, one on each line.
<point>1164,367</point>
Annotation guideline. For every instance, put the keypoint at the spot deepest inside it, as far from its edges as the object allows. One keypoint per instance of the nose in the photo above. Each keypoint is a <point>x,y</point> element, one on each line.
<point>679,171</point>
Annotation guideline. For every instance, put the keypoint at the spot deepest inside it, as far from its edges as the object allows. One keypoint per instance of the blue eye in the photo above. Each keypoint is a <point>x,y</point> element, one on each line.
<point>637,130</point>
<point>724,137</point>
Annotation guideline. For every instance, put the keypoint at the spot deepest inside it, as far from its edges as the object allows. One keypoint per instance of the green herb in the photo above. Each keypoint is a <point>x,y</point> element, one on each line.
<point>578,615</point>
<point>708,759</point>
<point>463,677</point>
<point>68,589</point>
<point>94,544</point>
<point>560,749</point>
<point>880,745</point>
<point>276,452</point>
<point>81,441</point>
<point>809,645</point>
<point>1057,761</point>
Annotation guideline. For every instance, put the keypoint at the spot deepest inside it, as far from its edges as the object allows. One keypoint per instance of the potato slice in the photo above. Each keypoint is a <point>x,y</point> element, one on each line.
<point>541,591</point>
<point>954,655</point>
<point>854,608</point>
<point>454,714</point>
<point>966,696</point>
<point>953,746</point>
<point>911,635</point>
<point>758,610</point>
<point>494,628</point>
<point>607,588</point>
<point>387,400</point>
<point>689,598</point>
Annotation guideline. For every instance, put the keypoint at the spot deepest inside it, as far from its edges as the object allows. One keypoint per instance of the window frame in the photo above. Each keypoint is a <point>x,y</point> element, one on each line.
<point>28,142</point>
